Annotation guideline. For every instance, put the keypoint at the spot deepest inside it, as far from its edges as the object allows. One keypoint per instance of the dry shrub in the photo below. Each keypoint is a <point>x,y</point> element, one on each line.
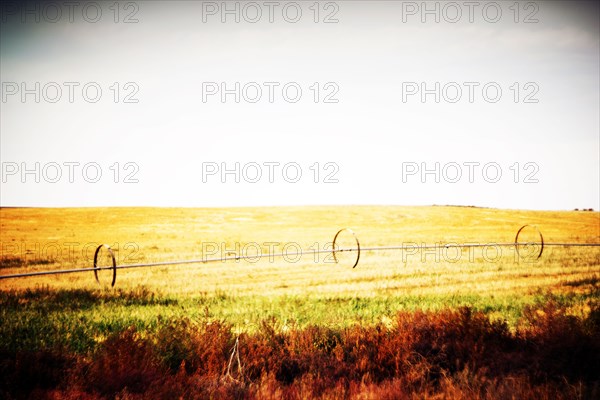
<point>560,345</point>
<point>266,352</point>
<point>454,354</point>
<point>451,340</point>
<point>28,374</point>
<point>201,349</point>
<point>124,363</point>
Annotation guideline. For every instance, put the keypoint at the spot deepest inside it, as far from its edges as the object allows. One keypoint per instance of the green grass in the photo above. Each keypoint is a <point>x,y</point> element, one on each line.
<point>80,319</point>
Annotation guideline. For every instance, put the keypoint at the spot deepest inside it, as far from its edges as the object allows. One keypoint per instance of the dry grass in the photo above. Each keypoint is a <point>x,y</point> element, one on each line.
<point>68,237</point>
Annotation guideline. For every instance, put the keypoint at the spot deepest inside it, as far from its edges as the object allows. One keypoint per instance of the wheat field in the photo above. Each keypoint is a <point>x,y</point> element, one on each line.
<point>494,277</point>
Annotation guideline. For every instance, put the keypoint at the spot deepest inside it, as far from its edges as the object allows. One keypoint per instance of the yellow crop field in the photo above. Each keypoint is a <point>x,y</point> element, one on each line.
<point>46,239</point>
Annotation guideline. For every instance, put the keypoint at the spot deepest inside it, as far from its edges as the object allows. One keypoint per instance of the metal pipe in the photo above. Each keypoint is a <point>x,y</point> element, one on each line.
<point>114,267</point>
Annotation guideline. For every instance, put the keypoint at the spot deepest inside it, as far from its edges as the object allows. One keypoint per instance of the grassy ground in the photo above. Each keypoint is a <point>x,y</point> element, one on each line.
<point>73,315</point>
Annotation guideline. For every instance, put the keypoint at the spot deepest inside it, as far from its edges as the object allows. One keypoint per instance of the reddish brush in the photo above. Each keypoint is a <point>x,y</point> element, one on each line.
<point>457,354</point>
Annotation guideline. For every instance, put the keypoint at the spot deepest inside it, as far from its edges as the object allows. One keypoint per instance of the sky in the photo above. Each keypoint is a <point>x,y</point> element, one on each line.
<point>209,104</point>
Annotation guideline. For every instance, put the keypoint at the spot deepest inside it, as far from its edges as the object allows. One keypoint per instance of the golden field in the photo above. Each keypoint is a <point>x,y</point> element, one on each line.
<point>46,239</point>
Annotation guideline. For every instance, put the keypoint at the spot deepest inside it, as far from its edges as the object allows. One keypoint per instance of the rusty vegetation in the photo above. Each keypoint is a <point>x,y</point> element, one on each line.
<point>435,354</point>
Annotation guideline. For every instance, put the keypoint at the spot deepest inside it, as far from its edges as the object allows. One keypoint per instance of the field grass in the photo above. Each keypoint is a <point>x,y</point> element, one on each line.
<point>69,320</point>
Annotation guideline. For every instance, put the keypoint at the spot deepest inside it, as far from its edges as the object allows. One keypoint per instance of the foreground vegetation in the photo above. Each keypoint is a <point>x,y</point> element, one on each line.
<point>424,325</point>
<point>444,354</point>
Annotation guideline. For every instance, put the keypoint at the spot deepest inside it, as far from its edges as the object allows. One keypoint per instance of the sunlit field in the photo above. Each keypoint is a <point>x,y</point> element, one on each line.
<point>289,294</point>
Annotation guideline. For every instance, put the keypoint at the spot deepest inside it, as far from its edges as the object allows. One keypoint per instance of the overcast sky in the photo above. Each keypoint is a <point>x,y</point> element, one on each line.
<point>497,102</point>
